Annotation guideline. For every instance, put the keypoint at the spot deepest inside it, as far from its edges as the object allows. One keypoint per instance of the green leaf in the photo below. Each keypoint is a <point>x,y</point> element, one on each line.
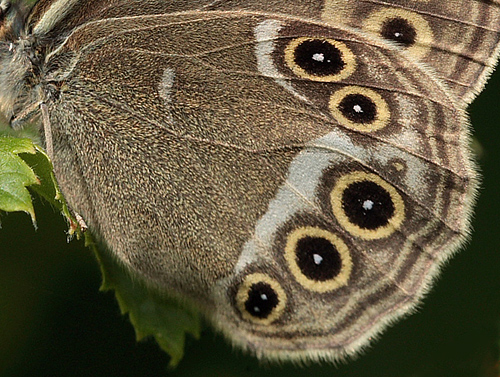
<point>24,164</point>
<point>48,188</point>
<point>16,175</point>
<point>151,313</point>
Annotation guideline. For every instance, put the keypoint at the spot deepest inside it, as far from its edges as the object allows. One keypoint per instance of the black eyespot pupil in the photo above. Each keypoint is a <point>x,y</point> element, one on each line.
<point>358,108</point>
<point>367,205</point>
<point>399,30</point>
<point>262,299</point>
<point>319,57</point>
<point>318,258</point>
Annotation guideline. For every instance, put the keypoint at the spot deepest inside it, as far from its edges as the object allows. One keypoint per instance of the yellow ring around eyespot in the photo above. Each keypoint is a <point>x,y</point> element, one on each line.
<point>383,112</point>
<point>347,56</point>
<point>368,234</point>
<point>318,286</point>
<point>242,297</point>
<point>425,36</point>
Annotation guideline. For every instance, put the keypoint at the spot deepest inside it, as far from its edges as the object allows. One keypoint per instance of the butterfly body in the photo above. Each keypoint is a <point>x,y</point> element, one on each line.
<point>301,180</point>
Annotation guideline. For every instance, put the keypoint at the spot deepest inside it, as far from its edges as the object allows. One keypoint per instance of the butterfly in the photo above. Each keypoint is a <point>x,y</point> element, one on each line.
<point>300,170</point>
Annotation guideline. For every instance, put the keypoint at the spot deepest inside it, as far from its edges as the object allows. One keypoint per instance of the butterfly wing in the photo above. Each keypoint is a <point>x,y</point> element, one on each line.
<point>302,183</point>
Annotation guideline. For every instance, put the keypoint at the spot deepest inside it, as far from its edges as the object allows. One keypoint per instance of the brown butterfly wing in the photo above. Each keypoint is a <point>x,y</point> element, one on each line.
<point>206,152</point>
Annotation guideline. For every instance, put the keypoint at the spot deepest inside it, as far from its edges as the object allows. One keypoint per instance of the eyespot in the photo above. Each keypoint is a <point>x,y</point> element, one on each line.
<point>367,206</point>
<point>399,30</point>
<point>407,28</point>
<point>320,59</point>
<point>318,259</point>
<point>260,299</point>
<point>359,108</point>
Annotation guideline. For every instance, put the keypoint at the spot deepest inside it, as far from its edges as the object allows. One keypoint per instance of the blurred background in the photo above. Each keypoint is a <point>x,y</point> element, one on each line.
<point>55,322</point>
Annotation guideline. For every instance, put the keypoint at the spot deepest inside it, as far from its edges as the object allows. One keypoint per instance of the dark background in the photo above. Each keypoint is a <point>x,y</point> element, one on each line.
<point>55,322</point>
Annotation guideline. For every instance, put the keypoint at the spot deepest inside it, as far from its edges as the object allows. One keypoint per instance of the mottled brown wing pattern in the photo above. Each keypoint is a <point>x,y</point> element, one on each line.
<point>266,157</point>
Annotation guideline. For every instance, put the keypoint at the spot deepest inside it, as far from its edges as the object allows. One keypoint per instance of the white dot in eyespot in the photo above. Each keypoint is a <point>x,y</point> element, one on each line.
<point>318,57</point>
<point>256,309</point>
<point>317,259</point>
<point>357,109</point>
<point>263,296</point>
<point>368,205</point>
